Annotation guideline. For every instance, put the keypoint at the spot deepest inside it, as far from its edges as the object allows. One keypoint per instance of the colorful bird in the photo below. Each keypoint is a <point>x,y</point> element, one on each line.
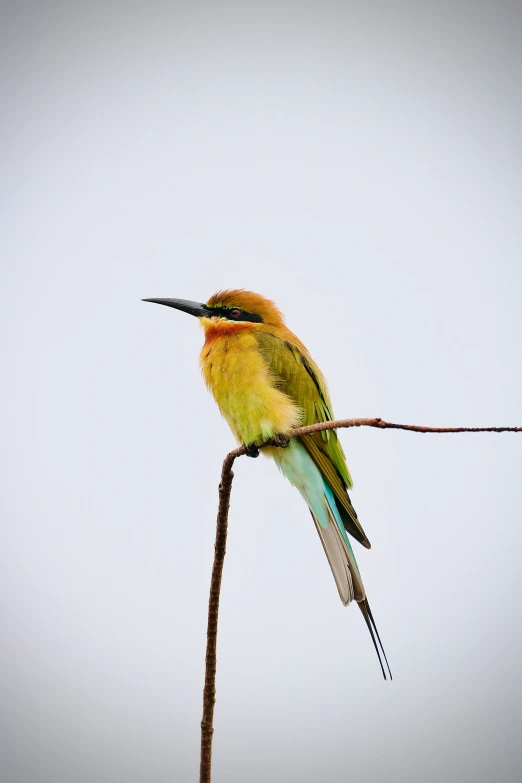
<point>266,383</point>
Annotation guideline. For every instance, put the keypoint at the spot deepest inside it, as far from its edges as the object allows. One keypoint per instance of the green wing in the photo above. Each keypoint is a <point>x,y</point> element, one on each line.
<point>299,377</point>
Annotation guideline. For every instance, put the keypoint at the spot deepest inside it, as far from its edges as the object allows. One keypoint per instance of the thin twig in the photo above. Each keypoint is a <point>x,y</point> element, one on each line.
<point>388,425</point>
<point>225,488</point>
<point>209,691</point>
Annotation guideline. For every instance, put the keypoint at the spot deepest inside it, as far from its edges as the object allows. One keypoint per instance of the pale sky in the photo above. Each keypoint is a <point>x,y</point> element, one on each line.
<point>364,170</point>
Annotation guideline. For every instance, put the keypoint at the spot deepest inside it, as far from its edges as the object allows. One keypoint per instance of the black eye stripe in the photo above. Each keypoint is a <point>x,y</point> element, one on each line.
<point>226,312</point>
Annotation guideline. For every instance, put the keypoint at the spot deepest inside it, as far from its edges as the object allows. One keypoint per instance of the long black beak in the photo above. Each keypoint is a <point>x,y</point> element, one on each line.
<point>193,308</point>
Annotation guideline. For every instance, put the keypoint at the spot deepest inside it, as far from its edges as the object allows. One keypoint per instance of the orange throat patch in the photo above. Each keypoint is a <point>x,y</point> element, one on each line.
<point>220,327</point>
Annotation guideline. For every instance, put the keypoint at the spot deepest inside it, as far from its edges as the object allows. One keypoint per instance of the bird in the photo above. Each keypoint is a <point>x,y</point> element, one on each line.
<point>265,384</point>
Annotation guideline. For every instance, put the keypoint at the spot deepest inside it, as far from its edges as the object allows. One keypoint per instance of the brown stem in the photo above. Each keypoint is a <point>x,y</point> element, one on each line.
<point>225,488</point>
<point>388,425</point>
<point>209,691</point>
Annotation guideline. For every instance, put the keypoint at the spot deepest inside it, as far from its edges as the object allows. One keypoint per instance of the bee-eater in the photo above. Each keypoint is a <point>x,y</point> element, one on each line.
<point>266,383</point>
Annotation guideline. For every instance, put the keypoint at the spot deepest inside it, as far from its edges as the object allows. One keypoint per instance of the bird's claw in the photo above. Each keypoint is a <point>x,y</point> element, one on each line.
<point>251,450</point>
<point>281,441</point>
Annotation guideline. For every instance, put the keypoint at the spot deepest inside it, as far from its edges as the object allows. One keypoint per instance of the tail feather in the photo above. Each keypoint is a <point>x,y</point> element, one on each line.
<point>336,554</point>
<point>364,606</point>
<point>337,525</point>
<point>341,542</point>
<point>299,467</point>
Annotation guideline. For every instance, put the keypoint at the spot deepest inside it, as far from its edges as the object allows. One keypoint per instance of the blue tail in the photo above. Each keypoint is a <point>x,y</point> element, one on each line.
<point>296,464</point>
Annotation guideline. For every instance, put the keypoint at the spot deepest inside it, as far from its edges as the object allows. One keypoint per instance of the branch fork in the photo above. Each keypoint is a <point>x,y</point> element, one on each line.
<point>225,488</point>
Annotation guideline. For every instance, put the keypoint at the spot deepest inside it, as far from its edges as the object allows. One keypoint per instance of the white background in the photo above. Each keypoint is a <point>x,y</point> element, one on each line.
<point>364,171</point>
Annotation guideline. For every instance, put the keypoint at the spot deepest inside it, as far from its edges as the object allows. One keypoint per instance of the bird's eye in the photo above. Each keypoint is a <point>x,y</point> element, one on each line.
<point>235,312</point>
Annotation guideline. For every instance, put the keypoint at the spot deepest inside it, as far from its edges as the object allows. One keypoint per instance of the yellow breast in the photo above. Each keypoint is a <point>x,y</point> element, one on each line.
<point>243,386</point>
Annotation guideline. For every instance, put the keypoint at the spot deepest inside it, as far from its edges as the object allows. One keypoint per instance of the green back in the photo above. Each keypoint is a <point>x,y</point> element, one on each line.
<point>297,375</point>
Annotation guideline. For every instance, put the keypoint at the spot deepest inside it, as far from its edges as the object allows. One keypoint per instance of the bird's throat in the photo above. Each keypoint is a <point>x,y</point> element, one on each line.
<point>216,328</point>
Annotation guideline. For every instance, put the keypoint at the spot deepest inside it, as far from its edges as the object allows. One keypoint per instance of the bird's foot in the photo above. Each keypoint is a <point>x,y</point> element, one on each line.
<point>280,440</point>
<point>251,450</point>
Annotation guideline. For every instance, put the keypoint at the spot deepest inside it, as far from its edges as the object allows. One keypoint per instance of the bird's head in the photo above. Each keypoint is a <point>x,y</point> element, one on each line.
<point>238,307</point>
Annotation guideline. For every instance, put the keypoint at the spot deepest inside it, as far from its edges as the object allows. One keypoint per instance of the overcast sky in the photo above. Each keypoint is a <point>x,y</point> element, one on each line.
<point>362,169</point>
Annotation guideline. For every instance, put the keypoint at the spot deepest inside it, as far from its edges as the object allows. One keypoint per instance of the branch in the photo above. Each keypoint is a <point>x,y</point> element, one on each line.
<point>225,488</point>
<point>209,691</point>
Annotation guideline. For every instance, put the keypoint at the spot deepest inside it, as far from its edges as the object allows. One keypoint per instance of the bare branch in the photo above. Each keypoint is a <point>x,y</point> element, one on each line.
<point>388,425</point>
<point>220,546</point>
<point>225,489</point>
